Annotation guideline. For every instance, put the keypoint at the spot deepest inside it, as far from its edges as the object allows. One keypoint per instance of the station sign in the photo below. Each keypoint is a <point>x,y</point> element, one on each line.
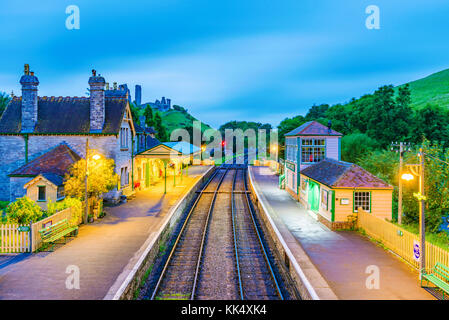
<point>416,250</point>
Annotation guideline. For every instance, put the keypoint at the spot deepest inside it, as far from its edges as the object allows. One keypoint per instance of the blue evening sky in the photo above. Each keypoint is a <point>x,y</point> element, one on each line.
<point>226,60</point>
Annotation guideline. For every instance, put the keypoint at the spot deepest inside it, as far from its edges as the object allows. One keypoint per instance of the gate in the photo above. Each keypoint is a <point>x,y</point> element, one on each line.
<point>15,238</point>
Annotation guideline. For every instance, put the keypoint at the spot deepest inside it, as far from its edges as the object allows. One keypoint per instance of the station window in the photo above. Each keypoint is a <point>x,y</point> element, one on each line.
<point>41,194</point>
<point>291,149</point>
<point>363,200</point>
<point>60,192</point>
<point>313,150</point>
<point>324,199</point>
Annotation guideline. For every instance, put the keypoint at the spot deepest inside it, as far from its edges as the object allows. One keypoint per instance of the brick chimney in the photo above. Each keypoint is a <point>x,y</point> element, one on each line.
<point>97,109</point>
<point>29,84</point>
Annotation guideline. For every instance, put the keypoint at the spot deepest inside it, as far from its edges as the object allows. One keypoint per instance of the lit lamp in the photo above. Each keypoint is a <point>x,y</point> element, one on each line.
<point>407,177</point>
<point>95,157</point>
<point>418,170</point>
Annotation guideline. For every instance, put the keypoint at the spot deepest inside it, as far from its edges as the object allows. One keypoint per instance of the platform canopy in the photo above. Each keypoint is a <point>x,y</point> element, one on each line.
<point>170,151</point>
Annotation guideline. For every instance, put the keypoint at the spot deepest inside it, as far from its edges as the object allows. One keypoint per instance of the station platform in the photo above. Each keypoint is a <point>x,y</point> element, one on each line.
<point>101,251</point>
<point>336,263</point>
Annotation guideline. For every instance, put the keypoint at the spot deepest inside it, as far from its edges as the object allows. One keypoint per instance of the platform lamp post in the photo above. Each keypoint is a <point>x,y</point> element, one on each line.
<point>86,197</point>
<point>402,148</point>
<point>418,170</point>
<point>274,149</point>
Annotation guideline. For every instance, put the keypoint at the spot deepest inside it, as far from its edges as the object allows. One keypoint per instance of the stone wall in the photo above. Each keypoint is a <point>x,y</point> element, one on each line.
<point>12,151</point>
<point>17,189</point>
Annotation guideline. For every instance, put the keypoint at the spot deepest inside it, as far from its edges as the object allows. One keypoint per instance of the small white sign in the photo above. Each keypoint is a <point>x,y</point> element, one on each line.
<point>416,250</point>
<point>344,201</point>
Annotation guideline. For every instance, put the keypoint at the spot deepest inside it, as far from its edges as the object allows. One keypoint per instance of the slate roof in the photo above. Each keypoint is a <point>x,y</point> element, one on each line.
<point>152,142</point>
<point>63,115</point>
<point>57,180</point>
<point>140,129</point>
<point>313,128</point>
<point>117,93</point>
<point>339,174</point>
<point>57,161</point>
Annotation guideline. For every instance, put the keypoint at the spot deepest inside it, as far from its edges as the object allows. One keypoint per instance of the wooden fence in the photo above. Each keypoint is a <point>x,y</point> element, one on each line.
<point>399,240</point>
<point>12,240</point>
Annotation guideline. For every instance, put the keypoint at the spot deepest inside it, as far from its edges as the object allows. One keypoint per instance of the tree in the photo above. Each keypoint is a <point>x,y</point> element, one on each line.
<point>101,179</point>
<point>432,123</point>
<point>149,119</point>
<point>356,145</point>
<point>161,134</point>
<point>317,112</point>
<point>23,211</point>
<point>4,100</point>
<point>388,121</point>
<point>135,113</point>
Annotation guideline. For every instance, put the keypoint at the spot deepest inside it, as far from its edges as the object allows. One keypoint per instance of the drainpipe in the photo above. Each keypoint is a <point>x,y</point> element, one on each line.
<point>26,147</point>
<point>132,163</point>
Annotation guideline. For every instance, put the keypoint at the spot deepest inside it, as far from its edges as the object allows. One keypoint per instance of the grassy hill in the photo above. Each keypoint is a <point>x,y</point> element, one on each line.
<point>432,89</point>
<point>174,119</point>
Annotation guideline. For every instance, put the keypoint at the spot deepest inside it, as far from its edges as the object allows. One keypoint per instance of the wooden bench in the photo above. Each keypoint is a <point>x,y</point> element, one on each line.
<point>439,272</point>
<point>55,232</point>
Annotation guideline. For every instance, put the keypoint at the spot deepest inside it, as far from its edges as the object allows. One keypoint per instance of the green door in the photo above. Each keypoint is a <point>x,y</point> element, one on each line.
<point>147,175</point>
<point>313,196</point>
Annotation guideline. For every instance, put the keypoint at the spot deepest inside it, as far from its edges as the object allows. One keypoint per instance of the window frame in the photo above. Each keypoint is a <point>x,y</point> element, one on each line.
<point>324,205</point>
<point>310,148</point>
<point>60,193</point>
<point>369,198</point>
<point>39,193</point>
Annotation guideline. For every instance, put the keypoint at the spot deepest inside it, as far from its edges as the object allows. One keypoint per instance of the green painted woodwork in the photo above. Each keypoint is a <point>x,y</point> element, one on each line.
<point>313,196</point>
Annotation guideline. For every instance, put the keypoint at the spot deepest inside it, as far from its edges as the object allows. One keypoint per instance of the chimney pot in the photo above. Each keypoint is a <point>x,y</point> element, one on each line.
<point>94,72</point>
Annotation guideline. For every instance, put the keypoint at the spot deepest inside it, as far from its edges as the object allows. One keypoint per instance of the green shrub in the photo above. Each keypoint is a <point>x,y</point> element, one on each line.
<point>74,203</point>
<point>23,211</point>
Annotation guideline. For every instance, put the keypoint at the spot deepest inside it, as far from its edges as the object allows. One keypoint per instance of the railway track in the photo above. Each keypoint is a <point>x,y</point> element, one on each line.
<point>219,252</point>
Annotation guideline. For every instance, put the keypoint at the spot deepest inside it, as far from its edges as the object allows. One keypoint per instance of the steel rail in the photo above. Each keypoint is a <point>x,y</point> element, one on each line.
<point>250,209</point>
<point>200,255</point>
<point>161,277</point>
<point>235,237</point>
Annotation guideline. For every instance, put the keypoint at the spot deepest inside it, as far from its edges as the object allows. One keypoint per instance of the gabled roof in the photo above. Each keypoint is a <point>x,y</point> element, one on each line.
<point>50,177</point>
<point>339,174</point>
<point>313,128</point>
<point>63,115</point>
<point>57,161</point>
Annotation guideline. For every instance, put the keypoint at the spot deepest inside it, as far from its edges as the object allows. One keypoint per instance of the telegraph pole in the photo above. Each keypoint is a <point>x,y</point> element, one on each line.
<point>86,200</point>
<point>422,208</point>
<point>401,150</point>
